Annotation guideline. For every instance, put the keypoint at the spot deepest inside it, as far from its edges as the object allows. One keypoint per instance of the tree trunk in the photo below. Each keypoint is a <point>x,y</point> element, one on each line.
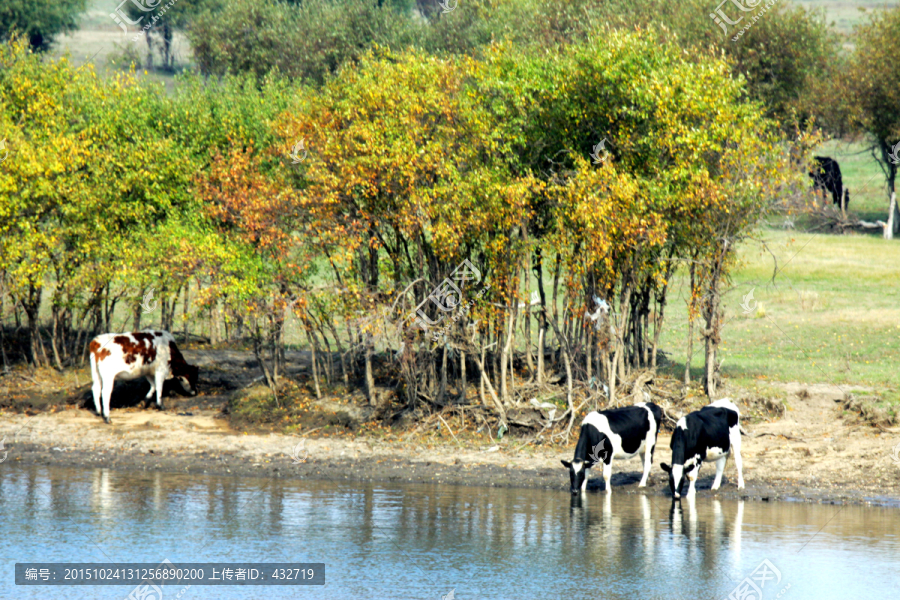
<point>443,388</point>
<point>32,305</point>
<point>893,218</point>
<point>2,333</point>
<point>555,291</point>
<point>690,339</point>
<point>542,316</point>
<point>340,349</point>
<point>713,327</point>
<point>658,320</point>
<point>136,317</point>
<point>505,374</point>
<point>53,344</point>
<point>314,367</point>
<point>567,363</point>
<point>258,352</point>
<point>168,59</point>
<point>483,376</point>
<point>588,354</point>
<point>487,383</point>
<point>690,352</point>
<point>184,314</point>
<point>621,328</point>
<point>529,356</point>
<point>369,376</point>
<point>462,377</point>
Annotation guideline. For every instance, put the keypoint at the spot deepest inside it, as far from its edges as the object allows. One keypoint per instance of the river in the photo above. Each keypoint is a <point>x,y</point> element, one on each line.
<point>430,541</point>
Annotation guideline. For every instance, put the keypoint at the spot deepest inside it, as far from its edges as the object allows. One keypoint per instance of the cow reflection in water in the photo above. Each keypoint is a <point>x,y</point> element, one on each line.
<point>623,527</point>
<point>713,534</point>
<point>630,531</point>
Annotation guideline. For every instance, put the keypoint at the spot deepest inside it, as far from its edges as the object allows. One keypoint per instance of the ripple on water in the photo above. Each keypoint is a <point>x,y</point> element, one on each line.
<point>422,541</point>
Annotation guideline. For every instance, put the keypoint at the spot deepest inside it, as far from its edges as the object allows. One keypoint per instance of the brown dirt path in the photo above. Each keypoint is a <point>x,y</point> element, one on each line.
<point>810,454</point>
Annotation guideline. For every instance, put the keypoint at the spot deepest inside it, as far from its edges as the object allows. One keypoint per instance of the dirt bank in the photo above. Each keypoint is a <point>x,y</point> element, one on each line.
<point>812,452</point>
<point>834,464</point>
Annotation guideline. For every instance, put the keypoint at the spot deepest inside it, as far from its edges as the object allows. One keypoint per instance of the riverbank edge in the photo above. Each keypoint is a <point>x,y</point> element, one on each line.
<point>395,468</point>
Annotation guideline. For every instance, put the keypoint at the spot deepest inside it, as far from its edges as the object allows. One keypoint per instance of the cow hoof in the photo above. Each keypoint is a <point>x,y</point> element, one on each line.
<point>108,421</point>
<point>640,485</point>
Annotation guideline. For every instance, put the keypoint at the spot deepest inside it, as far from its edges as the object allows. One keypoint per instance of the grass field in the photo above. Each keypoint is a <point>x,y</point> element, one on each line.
<point>830,314</point>
<point>100,39</point>
<point>102,43</point>
<point>862,176</point>
<point>843,15</point>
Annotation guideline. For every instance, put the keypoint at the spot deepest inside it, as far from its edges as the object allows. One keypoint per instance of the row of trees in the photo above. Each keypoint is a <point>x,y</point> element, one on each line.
<point>780,57</point>
<point>413,164</point>
<point>791,60</point>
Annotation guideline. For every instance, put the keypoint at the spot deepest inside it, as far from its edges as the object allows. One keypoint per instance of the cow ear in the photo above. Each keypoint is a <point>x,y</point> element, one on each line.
<point>566,464</point>
<point>666,468</point>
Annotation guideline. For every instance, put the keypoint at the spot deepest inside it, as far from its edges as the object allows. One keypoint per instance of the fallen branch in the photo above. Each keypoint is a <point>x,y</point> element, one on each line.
<point>450,430</point>
<point>778,434</point>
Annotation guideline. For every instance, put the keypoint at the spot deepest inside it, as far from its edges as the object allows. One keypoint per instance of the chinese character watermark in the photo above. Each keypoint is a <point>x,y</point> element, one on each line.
<point>448,6</point>
<point>600,152</point>
<point>748,303</point>
<point>894,154</point>
<point>149,308</point>
<point>448,295</point>
<point>751,588</point>
<point>299,152</point>
<point>299,453</point>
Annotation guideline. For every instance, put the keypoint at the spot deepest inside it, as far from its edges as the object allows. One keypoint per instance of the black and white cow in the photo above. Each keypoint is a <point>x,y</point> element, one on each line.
<point>150,354</point>
<point>618,433</point>
<point>711,433</point>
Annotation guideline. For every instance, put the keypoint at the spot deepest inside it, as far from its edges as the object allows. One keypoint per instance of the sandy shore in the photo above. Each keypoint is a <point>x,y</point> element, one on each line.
<point>809,455</point>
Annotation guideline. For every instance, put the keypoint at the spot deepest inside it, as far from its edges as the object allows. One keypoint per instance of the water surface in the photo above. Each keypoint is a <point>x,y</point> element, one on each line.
<point>422,541</point>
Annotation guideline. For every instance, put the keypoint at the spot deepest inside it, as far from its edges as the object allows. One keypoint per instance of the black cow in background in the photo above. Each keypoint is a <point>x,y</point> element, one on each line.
<point>826,175</point>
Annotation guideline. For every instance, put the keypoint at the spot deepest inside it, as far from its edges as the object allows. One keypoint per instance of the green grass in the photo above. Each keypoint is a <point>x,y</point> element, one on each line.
<point>843,15</point>
<point>831,314</point>
<point>862,176</point>
<point>100,42</point>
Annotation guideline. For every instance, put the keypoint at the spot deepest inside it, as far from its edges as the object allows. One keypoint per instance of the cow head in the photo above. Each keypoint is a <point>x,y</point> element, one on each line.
<point>187,375</point>
<point>676,478</point>
<point>678,445</point>
<point>577,474</point>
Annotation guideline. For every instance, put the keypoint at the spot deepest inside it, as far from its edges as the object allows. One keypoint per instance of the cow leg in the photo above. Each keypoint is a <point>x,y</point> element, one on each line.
<point>648,459</point>
<point>149,395</point>
<point>735,435</point>
<point>586,477</point>
<point>720,468</point>
<point>97,387</point>
<point>692,479</point>
<point>107,394</point>
<point>607,475</point>
<point>160,380</point>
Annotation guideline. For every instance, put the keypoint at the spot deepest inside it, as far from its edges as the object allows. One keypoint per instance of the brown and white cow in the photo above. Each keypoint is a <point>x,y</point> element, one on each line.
<point>149,354</point>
